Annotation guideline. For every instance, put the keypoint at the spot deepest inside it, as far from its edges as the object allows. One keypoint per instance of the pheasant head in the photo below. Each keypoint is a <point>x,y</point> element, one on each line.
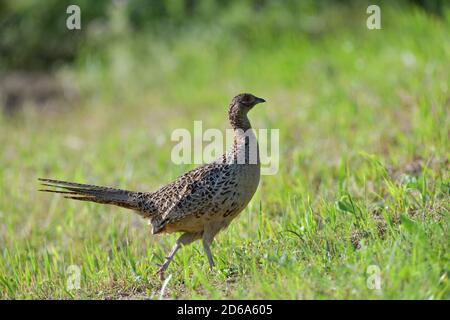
<point>239,107</point>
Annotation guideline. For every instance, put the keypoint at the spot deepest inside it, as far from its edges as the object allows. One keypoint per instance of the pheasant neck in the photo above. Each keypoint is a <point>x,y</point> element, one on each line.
<point>245,146</point>
<point>238,118</point>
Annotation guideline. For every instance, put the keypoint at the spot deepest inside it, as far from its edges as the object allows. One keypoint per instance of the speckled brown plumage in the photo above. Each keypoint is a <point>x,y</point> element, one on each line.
<point>199,203</point>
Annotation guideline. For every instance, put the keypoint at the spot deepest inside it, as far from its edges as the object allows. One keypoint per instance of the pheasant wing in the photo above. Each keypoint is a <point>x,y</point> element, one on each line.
<point>194,193</point>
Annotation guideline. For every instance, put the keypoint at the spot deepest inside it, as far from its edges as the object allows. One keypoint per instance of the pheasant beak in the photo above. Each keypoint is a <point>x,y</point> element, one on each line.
<point>259,100</point>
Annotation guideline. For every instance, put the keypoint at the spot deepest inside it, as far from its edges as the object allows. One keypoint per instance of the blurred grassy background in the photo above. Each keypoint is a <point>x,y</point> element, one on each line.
<point>364,128</point>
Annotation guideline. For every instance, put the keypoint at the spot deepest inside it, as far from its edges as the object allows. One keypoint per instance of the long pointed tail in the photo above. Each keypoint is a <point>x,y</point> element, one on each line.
<point>87,192</point>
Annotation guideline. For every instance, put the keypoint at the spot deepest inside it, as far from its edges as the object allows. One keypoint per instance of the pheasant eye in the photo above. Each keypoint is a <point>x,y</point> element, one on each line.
<point>247,100</point>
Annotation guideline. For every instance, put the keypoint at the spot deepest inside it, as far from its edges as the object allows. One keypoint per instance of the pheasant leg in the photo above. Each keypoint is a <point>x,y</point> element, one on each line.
<point>208,238</point>
<point>184,239</point>
<point>206,247</point>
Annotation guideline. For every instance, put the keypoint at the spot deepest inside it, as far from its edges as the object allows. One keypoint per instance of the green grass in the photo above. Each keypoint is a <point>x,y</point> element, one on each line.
<point>363,180</point>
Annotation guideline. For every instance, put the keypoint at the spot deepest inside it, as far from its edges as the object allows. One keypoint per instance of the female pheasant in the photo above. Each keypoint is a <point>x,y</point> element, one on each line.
<point>199,203</point>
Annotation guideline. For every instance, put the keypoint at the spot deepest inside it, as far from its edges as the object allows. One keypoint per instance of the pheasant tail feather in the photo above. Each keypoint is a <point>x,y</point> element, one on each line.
<point>86,192</point>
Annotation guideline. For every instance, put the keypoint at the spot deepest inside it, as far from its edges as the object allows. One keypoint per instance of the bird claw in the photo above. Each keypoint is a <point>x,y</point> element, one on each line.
<point>160,272</point>
<point>162,268</point>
